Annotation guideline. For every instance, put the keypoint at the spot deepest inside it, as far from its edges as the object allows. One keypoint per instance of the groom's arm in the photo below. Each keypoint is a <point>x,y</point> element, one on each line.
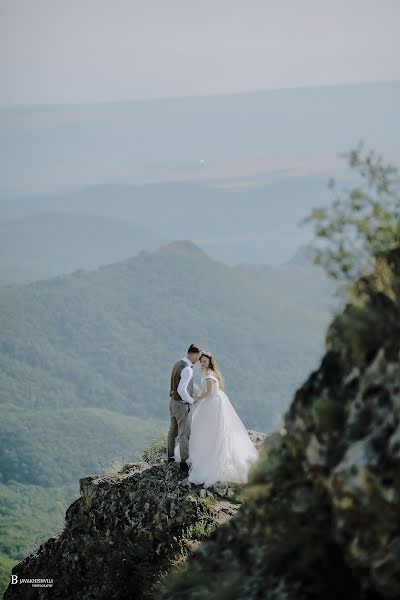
<point>186,374</point>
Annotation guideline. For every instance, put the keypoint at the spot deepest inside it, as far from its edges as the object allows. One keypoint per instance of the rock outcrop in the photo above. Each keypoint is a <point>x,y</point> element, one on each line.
<point>124,533</point>
<point>321,518</point>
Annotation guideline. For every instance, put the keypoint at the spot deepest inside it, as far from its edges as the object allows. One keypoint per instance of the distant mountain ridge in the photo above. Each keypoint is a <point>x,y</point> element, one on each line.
<point>194,139</point>
<point>45,244</point>
<point>247,225</point>
<point>234,173</point>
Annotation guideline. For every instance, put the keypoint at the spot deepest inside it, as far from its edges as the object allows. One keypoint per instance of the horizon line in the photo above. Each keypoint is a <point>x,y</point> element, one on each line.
<point>197,96</point>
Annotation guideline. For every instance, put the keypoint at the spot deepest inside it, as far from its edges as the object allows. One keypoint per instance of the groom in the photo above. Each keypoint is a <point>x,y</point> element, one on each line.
<point>181,397</point>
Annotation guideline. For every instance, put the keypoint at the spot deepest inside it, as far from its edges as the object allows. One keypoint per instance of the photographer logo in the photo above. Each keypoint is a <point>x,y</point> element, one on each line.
<point>41,582</point>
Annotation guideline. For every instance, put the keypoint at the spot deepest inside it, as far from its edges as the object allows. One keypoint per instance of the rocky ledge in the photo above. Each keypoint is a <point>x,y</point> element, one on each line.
<point>125,532</point>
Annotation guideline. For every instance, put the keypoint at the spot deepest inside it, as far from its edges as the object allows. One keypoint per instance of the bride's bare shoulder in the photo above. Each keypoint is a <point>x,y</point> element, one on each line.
<point>209,375</point>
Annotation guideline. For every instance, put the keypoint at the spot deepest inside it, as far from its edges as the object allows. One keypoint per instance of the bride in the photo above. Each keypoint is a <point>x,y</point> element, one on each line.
<point>220,448</point>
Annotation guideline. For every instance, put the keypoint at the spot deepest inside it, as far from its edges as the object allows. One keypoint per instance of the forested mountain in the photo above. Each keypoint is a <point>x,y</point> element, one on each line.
<point>107,338</point>
<point>303,284</point>
<point>54,447</point>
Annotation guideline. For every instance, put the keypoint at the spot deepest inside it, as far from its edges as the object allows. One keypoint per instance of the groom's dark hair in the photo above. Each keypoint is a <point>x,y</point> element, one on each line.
<point>194,349</point>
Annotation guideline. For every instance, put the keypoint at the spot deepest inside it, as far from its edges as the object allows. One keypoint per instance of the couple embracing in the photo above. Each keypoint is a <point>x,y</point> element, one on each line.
<point>206,435</point>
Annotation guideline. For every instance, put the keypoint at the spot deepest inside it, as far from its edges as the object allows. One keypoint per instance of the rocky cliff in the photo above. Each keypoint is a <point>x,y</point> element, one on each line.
<point>125,532</point>
<point>321,518</point>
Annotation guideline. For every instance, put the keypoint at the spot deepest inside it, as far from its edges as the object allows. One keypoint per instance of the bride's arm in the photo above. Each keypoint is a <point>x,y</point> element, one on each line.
<point>208,391</point>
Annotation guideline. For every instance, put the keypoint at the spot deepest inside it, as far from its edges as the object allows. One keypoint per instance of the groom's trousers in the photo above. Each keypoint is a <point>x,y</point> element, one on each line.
<point>180,426</point>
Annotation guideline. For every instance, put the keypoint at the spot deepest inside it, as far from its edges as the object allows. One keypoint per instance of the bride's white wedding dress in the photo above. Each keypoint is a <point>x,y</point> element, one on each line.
<point>220,448</point>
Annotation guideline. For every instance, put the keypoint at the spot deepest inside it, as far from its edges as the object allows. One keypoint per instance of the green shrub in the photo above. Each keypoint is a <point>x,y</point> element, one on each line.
<point>156,449</point>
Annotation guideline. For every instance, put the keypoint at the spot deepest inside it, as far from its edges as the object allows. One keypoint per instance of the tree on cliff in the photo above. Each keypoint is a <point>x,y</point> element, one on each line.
<point>362,222</point>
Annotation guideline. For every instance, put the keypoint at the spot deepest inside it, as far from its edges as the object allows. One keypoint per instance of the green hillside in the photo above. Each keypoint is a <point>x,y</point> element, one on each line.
<point>29,515</point>
<point>51,447</point>
<point>108,338</point>
<point>306,285</point>
<point>43,453</point>
<point>6,564</point>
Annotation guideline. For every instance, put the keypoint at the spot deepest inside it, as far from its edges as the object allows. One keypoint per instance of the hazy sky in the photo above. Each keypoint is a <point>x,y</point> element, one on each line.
<point>63,51</point>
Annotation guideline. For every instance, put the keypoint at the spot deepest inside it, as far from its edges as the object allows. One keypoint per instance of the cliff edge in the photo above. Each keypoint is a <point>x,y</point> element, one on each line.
<point>125,532</point>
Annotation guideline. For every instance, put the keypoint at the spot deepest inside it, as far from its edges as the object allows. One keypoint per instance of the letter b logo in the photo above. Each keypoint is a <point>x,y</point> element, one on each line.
<point>14,578</point>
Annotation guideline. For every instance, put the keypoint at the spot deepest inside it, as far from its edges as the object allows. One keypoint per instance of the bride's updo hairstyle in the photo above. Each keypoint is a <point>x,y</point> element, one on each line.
<point>213,367</point>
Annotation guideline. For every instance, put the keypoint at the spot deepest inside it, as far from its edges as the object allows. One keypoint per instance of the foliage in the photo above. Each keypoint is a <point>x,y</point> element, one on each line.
<point>201,530</point>
<point>29,515</point>
<point>52,447</point>
<point>113,465</point>
<point>43,453</point>
<point>108,338</point>
<point>360,331</point>
<point>156,449</point>
<point>362,222</point>
<point>6,564</point>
